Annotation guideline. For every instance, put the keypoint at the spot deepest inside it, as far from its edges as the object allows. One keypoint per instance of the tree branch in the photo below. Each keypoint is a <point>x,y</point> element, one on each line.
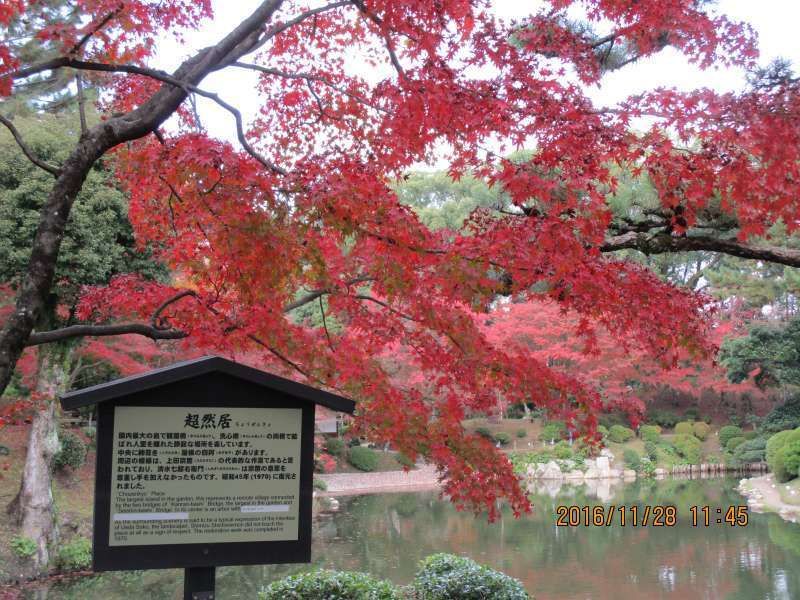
<point>54,171</point>
<point>664,243</point>
<point>73,331</point>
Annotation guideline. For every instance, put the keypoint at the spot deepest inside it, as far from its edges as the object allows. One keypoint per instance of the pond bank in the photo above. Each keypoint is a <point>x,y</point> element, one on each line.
<point>424,477</point>
<point>763,495</point>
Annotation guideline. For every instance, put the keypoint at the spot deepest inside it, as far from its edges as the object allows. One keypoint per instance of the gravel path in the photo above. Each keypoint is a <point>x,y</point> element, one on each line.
<point>424,477</point>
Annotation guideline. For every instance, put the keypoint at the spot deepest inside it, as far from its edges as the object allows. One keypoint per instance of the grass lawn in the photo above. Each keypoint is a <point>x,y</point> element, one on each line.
<point>790,492</point>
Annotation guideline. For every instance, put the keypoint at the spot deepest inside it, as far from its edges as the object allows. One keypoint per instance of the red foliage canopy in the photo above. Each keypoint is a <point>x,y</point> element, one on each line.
<point>303,208</point>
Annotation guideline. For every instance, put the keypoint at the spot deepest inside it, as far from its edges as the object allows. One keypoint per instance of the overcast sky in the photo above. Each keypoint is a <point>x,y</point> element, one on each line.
<point>776,22</point>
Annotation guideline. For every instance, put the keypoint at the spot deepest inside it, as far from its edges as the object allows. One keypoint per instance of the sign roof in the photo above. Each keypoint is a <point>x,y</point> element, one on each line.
<point>194,368</point>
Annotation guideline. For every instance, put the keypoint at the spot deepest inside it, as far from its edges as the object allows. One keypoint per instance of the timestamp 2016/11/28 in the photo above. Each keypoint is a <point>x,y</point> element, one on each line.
<point>649,516</point>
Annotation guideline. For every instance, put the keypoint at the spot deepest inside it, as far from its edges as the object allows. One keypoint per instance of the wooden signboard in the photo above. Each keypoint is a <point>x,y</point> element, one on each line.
<point>203,464</point>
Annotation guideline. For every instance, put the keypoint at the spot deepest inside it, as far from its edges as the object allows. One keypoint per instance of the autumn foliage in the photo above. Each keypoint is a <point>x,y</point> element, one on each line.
<point>302,207</point>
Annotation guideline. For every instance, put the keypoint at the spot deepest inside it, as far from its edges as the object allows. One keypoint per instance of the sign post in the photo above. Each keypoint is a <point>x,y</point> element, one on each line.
<point>203,464</point>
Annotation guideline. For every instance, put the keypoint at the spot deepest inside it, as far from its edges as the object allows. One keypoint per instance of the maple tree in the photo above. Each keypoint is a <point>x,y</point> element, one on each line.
<point>303,207</point>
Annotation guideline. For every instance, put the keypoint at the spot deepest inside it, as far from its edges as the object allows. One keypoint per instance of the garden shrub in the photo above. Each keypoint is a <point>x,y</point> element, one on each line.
<point>502,438</point>
<point>650,433</point>
<point>75,555</point>
<point>776,453</point>
<point>330,585</point>
<point>785,416</point>
<point>631,458</point>
<point>405,460</point>
<point>728,432</point>
<point>701,429</point>
<point>450,577</point>
<point>335,446</point>
<point>363,458</point>
<point>521,433</point>
<point>484,433</point>
<point>603,431</point>
<point>620,434</point>
<point>562,450</point>
<point>691,414</point>
<point>751,435</point>
<point>554,430</point>
<point>665,418</point>
<point>751,451</point>
<point>791,458</point>
<point>522,460</point>
<point>776,443</point>
<point>651,449</point>
<point>734,443</point>
<point>688,447</point>
<point>23,547</point>
<point>72,453</point>
<point>685,428</point>
<point>319,484</point>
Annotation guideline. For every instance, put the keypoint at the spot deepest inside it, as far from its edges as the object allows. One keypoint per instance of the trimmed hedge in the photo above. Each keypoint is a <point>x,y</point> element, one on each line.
<point>778,450</point>
<point>335,446</point>
<point>603,431</point>
<point>484,432</point>
<point>650,433</point>
<point>330,585</point>
<point>665,418</point>
<point>554,430</point>
<point>632,459</point>
<point>363,458</point>
<point>562,450</point>
<point>439,577</point>
<point>685,428</point>
<point>751,451</point>
<point>701,430</point>
<point>450,577</point>
<point>728,432</point>
<point>734,443</point>
<point>651,449</point>
<point>688,447</point>
<point>791,458</point>
<point>502,438</point>
<point>620,434</point>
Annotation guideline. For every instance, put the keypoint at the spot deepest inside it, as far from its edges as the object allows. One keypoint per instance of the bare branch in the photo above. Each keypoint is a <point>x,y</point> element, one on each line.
<point>159,322</point>
<point>325,324</point>
<point>310,77</point>
<point>386,38</point>
<point>81,102</point>
<point>73,331</point>
<point>313,295</point>
<point>664,243</point>
<point>54,171</point>
<point>103,22</point>
<point>299,19</point>
<point>188,87</point>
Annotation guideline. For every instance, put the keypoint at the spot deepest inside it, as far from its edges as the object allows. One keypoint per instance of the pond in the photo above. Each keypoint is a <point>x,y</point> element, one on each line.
<point>386,534</point>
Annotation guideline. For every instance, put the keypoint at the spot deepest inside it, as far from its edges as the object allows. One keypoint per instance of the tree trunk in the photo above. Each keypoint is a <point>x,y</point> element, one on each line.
<point>33,507</point>
<point>36,281</point>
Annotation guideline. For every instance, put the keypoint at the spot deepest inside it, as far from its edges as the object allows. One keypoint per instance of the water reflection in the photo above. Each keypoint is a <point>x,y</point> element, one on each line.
<point>387,535</point>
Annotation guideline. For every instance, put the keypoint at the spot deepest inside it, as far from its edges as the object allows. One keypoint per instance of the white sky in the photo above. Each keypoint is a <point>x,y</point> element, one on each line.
<point>774,20</point>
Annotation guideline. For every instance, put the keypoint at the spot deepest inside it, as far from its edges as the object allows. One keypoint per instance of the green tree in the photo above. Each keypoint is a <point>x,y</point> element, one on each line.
<point>98,244</point>
<point>772,349</point>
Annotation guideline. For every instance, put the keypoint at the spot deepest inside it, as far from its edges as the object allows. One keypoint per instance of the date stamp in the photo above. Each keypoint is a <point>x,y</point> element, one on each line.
<point>649,516</point>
